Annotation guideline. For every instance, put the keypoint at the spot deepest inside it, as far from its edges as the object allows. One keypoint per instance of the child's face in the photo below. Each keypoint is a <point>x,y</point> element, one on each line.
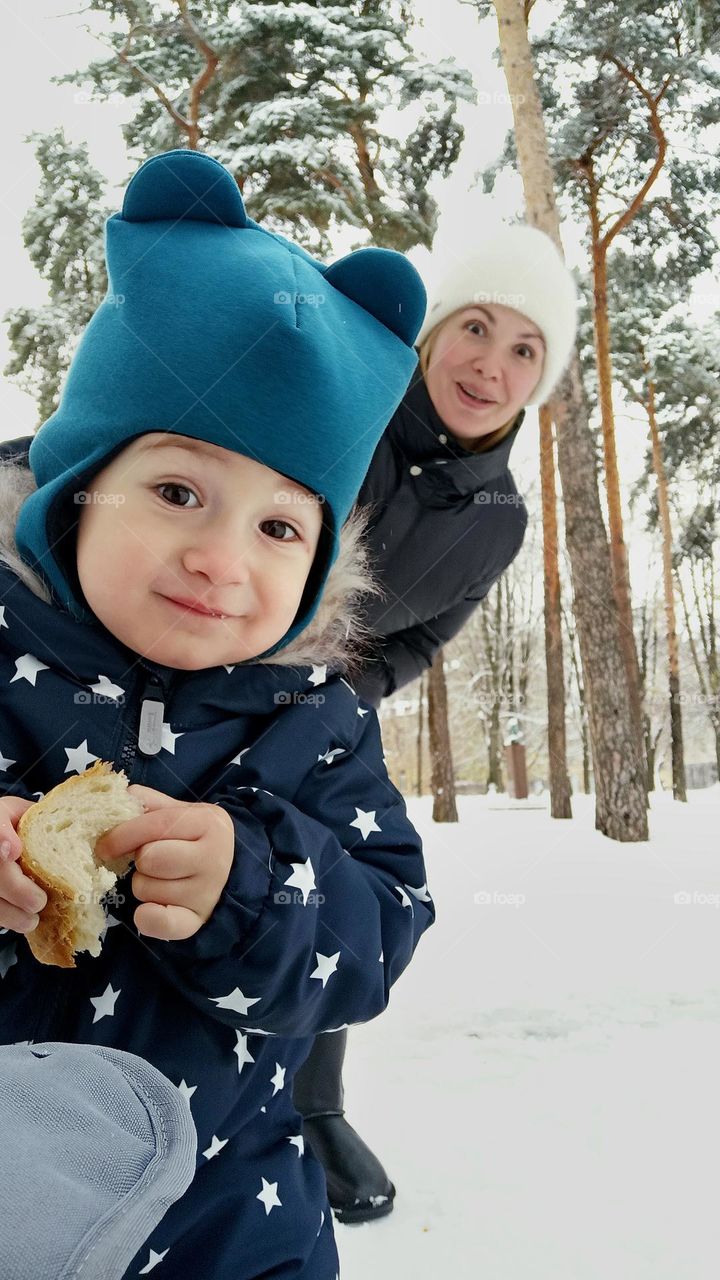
<point>174,519</point>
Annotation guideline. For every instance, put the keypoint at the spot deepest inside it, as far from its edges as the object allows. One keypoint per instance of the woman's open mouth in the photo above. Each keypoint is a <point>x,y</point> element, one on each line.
<point>471,400</point>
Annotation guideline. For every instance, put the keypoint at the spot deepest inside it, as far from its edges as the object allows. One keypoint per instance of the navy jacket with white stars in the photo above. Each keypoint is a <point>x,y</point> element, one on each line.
<point>325,902</point>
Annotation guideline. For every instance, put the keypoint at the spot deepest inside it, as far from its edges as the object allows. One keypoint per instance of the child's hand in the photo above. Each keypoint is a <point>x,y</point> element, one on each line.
<point>20,898</point>
<point>183,854</point>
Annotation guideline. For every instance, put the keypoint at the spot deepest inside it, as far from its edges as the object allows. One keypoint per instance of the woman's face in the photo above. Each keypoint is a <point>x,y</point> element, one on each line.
<point>485,363</point>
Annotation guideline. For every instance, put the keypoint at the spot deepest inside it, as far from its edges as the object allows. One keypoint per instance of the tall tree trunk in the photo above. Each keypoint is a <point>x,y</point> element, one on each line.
<point>560,805</point>
<point>420,734</point>
<point>582,705</point>
<point>491,642</point>
<point>676,727</point>
<point>618,549</point>
<point>443,776</point>
<point>621,799</point>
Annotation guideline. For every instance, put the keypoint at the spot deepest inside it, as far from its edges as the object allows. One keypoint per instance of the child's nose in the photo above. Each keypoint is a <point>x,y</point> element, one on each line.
<point>224,558</point>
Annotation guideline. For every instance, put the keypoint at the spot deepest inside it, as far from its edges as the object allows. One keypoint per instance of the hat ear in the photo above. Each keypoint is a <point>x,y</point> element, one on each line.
<point>386,284</point>
<point>181,185</point>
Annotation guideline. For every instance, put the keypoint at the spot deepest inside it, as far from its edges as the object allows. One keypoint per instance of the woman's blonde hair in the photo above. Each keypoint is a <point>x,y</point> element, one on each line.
<point>483,443</point>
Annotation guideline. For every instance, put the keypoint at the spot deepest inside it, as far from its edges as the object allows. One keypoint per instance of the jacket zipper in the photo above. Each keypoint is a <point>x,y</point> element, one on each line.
<point>148,740</point>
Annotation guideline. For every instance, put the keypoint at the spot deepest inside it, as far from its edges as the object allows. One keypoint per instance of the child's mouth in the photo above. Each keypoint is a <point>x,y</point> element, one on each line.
<point>198,611</point>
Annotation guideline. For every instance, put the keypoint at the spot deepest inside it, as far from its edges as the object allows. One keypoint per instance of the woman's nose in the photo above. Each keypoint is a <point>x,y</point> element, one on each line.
<point>488,362</point>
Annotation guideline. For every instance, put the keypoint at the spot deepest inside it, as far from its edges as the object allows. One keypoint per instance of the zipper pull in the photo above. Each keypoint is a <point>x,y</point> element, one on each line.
<point>152,714</point>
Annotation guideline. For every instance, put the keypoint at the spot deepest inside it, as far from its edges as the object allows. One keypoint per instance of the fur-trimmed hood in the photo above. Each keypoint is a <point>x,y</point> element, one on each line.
<point>335,635</point>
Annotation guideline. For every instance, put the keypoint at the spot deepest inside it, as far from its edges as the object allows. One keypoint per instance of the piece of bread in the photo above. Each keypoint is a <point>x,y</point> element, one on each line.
<point>59,834</point>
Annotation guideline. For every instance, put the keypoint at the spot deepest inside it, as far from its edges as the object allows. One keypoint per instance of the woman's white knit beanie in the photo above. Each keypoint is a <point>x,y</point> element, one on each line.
<point>517,267</point>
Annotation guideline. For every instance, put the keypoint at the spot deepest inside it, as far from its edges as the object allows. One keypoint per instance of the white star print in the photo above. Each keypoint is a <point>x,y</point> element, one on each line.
<point>227,668</point>
<point>79,758</point>
<point>365,822</point>
<point>153,1261</point>
<point>302,878</point>
<point>3,623</point>
<point>404,898</point>
<point>298,1142</point>
<point>269,1196</point>
<point>8,958</point>
<point>186,1090</point>
<point>242,1051</point>
<point>235,1001</point>
<point>105,1004</point>
<point>169,738</point>
<point>363,711</point>
<point>319,674</point>
<point>216,1145</point>
<point>326,966</point>
<point>278,1080</point>
<point>105,688</point>
<point>5,763</point>
<point>27,668</point>
<point>238,758</point>
<point>330,755</point>
<point>421,894</point>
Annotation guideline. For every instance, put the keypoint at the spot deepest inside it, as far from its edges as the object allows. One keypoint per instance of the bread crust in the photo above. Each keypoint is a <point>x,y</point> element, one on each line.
<point>55,939</point>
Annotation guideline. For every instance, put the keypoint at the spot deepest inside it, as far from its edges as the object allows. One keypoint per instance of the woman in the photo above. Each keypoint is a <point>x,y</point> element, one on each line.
<point>446,521</point>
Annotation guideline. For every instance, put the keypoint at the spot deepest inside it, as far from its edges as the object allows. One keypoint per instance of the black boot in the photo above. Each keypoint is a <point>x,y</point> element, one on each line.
<point>359,1189</point>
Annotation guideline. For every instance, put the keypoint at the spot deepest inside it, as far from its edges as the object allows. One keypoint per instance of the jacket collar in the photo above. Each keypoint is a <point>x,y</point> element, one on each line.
<point>35,631</point>
<point>425,441</point>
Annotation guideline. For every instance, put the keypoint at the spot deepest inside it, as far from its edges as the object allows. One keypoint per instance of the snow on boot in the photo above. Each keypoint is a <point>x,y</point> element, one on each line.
<point>359,1189</point>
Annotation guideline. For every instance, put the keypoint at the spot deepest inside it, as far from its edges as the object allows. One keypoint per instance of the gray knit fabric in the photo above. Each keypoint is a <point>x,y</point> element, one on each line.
<point>96,1145</point>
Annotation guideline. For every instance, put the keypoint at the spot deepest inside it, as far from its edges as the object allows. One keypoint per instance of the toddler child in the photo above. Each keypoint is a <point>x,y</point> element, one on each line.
<point>177,578</point>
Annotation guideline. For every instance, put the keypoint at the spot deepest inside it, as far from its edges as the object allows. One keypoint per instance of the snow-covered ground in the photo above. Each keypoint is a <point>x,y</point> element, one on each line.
<point>544,1089</point>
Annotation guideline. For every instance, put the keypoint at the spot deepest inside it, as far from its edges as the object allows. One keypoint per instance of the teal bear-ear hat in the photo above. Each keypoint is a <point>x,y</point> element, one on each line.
<point>215,328</point>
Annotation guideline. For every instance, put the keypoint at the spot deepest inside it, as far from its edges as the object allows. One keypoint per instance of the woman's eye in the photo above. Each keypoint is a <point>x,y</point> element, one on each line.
<point>281,524</point>
<point>475,325</point>
<point>176,489</point>
<point>527,352</point>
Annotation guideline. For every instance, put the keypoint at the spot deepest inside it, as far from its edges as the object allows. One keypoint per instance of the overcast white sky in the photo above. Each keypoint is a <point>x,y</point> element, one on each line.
<point>48,38</point>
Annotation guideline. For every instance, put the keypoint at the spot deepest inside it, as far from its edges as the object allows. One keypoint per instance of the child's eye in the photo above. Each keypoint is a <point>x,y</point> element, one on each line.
<point>177,489</point>
<point>282,524</point>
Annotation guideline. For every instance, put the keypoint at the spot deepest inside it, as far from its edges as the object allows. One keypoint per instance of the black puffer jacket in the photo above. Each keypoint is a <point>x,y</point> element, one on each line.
<point>446,524</point>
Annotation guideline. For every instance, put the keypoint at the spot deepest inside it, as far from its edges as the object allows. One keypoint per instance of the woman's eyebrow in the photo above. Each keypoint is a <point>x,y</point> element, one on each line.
<point>491,320</point>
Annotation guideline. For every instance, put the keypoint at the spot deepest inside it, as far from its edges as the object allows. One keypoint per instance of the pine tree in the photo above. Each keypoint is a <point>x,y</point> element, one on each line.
<point>290,97</point>
<point>621,87</point>
<point>619,774</point>
<point>63,235</point>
